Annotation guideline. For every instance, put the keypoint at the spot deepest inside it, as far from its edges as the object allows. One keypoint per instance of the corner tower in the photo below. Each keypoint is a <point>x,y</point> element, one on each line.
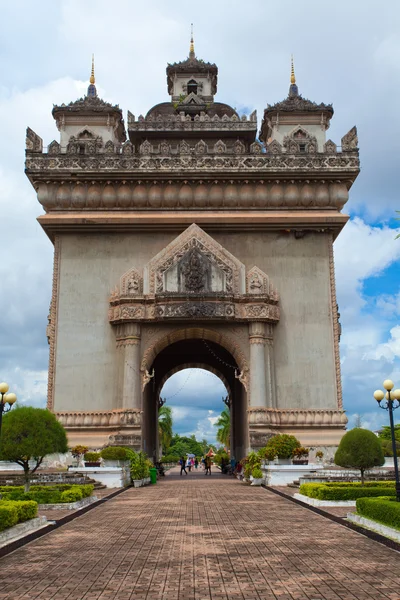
<point>191,243</point>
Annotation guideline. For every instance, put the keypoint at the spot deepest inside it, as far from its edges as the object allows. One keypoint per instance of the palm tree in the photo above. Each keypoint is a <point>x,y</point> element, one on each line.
<point>224,428</point>
<point>165,427</point>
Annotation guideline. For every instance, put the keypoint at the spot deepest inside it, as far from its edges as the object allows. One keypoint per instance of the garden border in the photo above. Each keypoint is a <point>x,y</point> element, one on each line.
<point>376,537</point>
<point>53,525</point>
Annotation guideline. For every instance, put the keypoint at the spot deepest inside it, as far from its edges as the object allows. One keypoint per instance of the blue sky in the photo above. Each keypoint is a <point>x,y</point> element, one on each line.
<point>347,53</point>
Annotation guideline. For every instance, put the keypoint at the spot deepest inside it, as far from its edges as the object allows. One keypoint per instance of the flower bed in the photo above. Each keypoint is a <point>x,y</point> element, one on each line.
<point>46,494</point>
<point>383,510</point>
<point>13,512</point>
<point>333,492</point>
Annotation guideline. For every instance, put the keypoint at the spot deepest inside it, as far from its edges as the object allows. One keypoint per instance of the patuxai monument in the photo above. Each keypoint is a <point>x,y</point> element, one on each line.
<point>190,237</point>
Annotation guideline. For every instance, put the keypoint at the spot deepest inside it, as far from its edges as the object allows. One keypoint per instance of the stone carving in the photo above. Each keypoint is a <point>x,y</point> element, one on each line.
<point>165,148</point>
<point>255,148</point>
<point>194,271</point>
<point>127,440</point>
<point>259,439</point>
<point>131,312</point>
<point>300,140</point>
<point>109,418</point>
<point>330,147</point>
<point>54,147</point>
<point>350,141</point>
<point>33,142</point>
<point>128,148</point>
<point>298,103</point>
<point>267,163</point>
<point>109,147</point>
<point>239,147</point>
<point>147,377</point>
<point>243,377</point>
<point>192,310</point>
<point>296,417</point>
<point>257,282</point>
<point>184,148</point>
<point>274,147</point>
<point>220,147</point>
<point>257,311</point>
<point>131,283</point>
<point>200,147</point>
<point>145,148</point>
<point>195,238</point>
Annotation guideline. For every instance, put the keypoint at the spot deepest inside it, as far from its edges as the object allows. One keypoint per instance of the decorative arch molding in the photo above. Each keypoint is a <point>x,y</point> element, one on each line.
<point>200,365</point>
<point>199,333</point>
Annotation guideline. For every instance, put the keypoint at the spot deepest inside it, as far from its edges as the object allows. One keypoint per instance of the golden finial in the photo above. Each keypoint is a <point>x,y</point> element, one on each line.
<point>191,50</point>
<point>292,75</point>
<point>92,79</point>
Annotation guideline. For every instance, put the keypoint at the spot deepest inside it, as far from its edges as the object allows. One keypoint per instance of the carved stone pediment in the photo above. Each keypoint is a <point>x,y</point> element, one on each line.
<point>192,278</point>
<point>195,262</point>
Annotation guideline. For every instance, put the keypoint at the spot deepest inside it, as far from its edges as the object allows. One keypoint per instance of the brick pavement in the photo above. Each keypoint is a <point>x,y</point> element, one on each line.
<point>201,538</point>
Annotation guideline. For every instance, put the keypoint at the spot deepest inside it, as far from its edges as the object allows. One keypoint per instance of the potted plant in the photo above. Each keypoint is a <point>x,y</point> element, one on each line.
<point>300,456</point>
<point>257,476</point>
<point>319,455</point>
<point>92,459</point>
<point>78,453</point>
<point>136,474</point>
<point>114,456</point>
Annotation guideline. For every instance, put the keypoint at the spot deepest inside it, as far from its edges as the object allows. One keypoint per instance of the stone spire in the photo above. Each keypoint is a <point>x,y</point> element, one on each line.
<point>293,89</point>
<point>91,91</point>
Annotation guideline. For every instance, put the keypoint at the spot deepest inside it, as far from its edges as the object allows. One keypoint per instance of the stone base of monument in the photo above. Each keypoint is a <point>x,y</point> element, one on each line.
<point>111,477</point>
<point>278,475</point>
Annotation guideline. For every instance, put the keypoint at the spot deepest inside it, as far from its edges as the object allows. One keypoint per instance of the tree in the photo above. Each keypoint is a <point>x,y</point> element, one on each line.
<point>224,428</point>
<point>359,449</point>
<point>165,427</point>
<point>29,434</point>
<point>182,445</point>
<point>386,434</point>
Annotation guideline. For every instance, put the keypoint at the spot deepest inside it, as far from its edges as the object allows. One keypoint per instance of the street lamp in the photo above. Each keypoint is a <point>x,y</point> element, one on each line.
<point>390,401</point>
<point>5,399</point>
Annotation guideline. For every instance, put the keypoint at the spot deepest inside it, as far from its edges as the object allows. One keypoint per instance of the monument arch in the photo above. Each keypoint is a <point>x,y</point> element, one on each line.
<point>183,227</point>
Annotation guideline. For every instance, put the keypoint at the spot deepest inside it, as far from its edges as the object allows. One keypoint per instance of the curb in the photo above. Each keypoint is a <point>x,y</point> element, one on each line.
<point>53,525</point>
<point>376,537</point>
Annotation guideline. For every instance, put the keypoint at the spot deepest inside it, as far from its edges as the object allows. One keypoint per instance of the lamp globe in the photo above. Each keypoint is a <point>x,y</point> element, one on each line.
<point>396,394</point>
<point>388,384</point>
<point>3,387</point>
<point>379,395</point>
<point>10,398</point>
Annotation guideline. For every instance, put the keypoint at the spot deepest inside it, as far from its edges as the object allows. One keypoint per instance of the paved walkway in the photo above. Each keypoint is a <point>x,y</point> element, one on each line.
<point>201,538</point>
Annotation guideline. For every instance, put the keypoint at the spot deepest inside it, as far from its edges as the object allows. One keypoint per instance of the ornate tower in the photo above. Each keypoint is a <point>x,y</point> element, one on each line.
<point>193,244</point>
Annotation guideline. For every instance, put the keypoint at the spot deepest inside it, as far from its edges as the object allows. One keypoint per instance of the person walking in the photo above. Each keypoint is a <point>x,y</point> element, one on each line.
<point>196,463</point>
<point>182,463</point>
<point>207,463</point>
<point>188,464</point>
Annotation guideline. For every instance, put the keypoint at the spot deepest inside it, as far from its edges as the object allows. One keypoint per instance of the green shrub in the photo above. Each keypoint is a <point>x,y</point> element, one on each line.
<point>43,494</point>
<point>359,449</point>
<point>8,515</point>
<point>281,446</point>
<point>322,491</point>
<point>25,509</point>
<point>92,456</point>
<point>114,453</point>
<point>384,509</point>
<point>71,495</point>
<point>87,490</point>
<point>381,484</point>
<point>257,473</point>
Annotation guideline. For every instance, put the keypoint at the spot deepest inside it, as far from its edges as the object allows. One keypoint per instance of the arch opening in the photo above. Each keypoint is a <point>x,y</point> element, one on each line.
<point>213,359</point>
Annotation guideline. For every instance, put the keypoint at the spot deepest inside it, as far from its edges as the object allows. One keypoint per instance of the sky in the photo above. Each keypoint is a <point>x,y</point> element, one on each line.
<point>346,53</point>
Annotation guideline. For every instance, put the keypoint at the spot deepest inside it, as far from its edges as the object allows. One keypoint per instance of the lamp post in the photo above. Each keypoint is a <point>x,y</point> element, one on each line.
<point>390,401</point>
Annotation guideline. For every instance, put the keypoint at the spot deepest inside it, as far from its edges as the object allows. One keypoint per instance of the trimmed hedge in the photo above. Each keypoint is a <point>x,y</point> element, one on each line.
<point>384,509</point>
<point>47,494</point>
<point>382,484</point>
<point>341,492</point>
<point>12,513</point>
<point>114,453</point>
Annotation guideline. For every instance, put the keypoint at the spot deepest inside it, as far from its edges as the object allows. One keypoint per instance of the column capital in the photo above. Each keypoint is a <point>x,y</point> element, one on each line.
<point>128,334</point>
<point>257,333</point>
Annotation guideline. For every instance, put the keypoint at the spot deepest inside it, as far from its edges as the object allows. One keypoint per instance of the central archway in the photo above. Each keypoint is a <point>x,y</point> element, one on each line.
<point>191,350</point>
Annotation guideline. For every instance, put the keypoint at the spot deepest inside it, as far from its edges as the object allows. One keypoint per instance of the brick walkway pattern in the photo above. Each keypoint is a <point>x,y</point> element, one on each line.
<point>201,538</point>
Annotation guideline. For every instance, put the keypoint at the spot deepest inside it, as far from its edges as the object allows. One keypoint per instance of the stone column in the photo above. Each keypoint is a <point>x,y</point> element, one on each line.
<point>129,338</point>
<point>258,388</point>
<point>270,367</point>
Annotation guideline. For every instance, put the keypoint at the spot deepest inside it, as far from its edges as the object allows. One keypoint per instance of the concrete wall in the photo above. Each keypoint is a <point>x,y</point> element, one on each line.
<point>87,362</point>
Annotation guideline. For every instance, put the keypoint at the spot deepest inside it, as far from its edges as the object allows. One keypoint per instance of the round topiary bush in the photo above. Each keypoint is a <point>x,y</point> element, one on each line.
<point>72,495</point>
<point>281,446</point>
<point>359,449</point>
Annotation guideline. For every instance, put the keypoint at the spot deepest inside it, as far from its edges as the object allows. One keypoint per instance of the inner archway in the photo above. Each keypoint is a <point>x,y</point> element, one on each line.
<point>196,352</point>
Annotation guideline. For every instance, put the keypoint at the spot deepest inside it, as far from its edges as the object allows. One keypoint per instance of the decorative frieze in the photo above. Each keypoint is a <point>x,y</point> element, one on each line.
<point>275,417</point>
<point>109,418</point>
<point>195,195</point>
